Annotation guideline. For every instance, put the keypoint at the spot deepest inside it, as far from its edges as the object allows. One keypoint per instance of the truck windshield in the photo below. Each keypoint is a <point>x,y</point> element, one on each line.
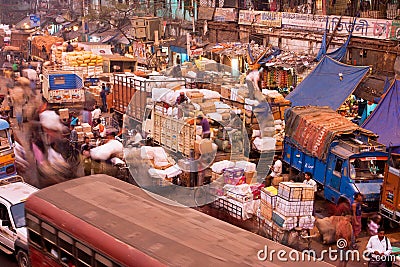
<point>4,143</point>
<point>18,214</point>
<point>365,168</point>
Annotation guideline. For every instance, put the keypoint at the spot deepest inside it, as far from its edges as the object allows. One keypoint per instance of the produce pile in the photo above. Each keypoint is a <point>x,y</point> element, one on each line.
<point>47,41</point>
<point>83,59</point>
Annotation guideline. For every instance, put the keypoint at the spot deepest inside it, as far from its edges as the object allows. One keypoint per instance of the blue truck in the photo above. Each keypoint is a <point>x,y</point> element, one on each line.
<point>342,157</point>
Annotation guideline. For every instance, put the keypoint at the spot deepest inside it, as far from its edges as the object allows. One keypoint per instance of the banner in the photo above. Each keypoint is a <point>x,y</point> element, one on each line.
<point>225,14</point>
<point>260,18</point>
<point>303,21</point>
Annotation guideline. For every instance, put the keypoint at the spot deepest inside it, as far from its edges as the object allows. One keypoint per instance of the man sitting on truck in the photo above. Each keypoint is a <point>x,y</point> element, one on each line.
<point>182,98</point>
<point>276,171</point>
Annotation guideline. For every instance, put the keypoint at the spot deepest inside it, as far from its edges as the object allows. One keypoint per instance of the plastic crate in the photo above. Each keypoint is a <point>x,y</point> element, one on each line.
<point>233,173</point>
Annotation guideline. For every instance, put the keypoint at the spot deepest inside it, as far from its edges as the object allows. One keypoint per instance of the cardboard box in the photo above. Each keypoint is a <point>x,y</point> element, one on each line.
<point>250,177</point>
<point>64,113</point>
<point>90,135</point>
<point>78,129</point>
<point>285,222</point>
<point>86,128</point>
<point>266,210</point>
<point>203,146</point>
<point>268,197</point>
<point>288,208</point>
<point>225,92</point>
<point>290,191</point>
<point>306,208</point>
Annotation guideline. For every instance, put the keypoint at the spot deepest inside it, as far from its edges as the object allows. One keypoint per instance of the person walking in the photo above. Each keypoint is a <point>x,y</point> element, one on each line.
<point>103,95</point>
<point>379,248</point>
<point>356,212</point>
<point>86,116</point>
<point>87,161</point>
<point>374,224</point>
<point>96,113</point>
<point>10,104</point>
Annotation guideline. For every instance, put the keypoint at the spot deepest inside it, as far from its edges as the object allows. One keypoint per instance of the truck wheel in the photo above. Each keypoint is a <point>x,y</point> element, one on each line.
<point>23,259</point>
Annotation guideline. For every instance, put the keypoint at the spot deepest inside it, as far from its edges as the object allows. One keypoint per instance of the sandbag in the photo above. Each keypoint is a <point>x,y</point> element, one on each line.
<point>105,151</point>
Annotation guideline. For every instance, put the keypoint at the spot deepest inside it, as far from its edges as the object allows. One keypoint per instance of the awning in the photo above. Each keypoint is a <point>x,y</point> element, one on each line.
<point>178,49</point>
<point>329,84</point>
<point>108,38</point>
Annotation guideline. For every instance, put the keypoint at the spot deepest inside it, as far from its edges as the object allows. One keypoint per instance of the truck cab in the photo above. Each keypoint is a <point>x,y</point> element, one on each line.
<point>13,233</point>
<point>351,166</point>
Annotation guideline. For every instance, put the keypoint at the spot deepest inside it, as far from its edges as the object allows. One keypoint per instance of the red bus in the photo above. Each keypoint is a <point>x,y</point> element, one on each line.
<point>101,221</point>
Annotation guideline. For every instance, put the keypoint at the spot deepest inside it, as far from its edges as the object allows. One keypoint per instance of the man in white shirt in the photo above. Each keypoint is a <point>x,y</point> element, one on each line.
<point>310,181</point>
<point>96,113</point>
<point>380,249</point>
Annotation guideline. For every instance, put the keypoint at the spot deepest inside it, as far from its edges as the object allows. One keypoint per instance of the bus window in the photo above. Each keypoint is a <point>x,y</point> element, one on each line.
<point>100,261</point>
<point>4,143</point>
<point>34,230</point>
<point>66,248</point>
<point>50,239</point>
<point>84,255</point>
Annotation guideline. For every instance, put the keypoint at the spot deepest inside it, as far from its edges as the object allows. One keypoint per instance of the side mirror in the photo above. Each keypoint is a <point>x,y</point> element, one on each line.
<point>5,223</point>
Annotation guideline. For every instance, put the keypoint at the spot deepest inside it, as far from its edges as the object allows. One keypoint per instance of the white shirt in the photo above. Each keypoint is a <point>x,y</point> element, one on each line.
<point>311,182</point>
<point>138,138</point>
<point>96,113</point>
<point>374,244</point>
<point>277,168</point>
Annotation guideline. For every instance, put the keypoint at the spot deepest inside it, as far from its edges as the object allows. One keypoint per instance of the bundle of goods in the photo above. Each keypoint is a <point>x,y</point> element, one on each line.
<point>235,172</point>
<point>264,143</point>
<point>106,151</point>
<point>312,128</point>
<point>82,59</point>
<point>83,132</point>
<point>46,40</point>
<point>279,132</point>
<point>157,156</point>
<point>273,96</point>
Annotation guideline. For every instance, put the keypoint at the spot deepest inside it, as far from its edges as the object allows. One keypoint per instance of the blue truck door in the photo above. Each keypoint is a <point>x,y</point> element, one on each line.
<point>333,178</point>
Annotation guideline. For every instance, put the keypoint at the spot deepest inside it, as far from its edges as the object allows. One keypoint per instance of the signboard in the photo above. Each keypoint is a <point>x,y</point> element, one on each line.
<point>195,52</point>
<point>34,20</point>
<point>303,21</point>
<point>139,52</point>
<point>225,14</point>
<point>395,30</point>
<point>260,18</point>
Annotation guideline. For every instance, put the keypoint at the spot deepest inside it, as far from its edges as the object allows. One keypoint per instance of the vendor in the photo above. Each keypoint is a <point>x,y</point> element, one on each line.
<point>182,98</point>
<point>205,125</point>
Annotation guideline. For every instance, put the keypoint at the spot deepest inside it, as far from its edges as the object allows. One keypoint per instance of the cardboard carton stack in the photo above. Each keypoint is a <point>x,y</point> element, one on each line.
<point>286,208</point>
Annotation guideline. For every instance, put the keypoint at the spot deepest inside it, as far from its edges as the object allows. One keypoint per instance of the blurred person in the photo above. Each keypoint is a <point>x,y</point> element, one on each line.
<point>374,224</point>
<point>344,231</point>
<point>70,48</point>
<point>74,119</point>
<point>103,95</point>
<point>356,212</point>
<point>86,116</point>
<point>85,151</point>
<point>73,137</point>
<point>10,104</point>
<point>100,128</point>
<point>343,207</point>
<point>108,88</point>
<point>182,98</point>
<point>96,113</point>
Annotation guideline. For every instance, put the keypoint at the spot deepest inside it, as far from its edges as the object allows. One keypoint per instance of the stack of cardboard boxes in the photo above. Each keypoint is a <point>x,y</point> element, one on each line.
<point>288,207</point>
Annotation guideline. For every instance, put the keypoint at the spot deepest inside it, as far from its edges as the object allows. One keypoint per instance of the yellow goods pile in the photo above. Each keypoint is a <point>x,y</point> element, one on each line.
<point>83,59</point>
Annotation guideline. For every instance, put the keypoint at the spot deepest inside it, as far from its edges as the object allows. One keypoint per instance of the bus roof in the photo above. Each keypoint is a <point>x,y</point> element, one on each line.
<point>131,219</point>
<point>16,192</point>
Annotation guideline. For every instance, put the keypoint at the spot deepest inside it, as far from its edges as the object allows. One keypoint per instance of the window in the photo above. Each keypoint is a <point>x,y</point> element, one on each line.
<point>338,167</point>
<point>50,239</point>
<point>4,143</point>
<point>84,255</point>
<point>33,225</point>
<point>18,214</point>
<point>66,249</point>
<point>102,261</point>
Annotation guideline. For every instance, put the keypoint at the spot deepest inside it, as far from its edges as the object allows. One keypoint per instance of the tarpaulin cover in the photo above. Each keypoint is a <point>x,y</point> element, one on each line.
<point>323,87</point>
<point>385,119</point>
<point>312,129</point>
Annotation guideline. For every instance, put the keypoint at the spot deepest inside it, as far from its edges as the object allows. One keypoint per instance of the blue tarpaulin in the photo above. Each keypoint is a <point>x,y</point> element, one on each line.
<point>323,87</point>
<point>384,120</point>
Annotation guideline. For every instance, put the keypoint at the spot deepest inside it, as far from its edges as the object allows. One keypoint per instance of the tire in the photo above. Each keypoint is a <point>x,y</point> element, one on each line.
<point>23,259</point>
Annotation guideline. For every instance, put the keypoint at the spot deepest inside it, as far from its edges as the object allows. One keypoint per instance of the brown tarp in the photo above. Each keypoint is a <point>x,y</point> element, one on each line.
<point>314,128</point>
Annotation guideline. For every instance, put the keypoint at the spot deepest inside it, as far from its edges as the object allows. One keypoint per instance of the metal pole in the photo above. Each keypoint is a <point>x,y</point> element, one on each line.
<point>83,22</point>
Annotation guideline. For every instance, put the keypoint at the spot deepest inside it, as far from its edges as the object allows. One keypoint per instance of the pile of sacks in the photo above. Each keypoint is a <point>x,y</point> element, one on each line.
<point>82,59</point>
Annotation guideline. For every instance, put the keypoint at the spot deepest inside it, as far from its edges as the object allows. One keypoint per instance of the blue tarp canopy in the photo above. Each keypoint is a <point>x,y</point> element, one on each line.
<point>385,119</point>
<point>323,86</point>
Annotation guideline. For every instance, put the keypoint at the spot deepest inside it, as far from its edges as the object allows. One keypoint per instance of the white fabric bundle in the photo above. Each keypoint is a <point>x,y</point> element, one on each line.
<point>50,120</point>
<point>105,151</point>
<point>215,116</point>
<point>218,167</point>
<point>247,166</point>
<point>209,94</point>
<point>265,143</point>
<point>146,152</point>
